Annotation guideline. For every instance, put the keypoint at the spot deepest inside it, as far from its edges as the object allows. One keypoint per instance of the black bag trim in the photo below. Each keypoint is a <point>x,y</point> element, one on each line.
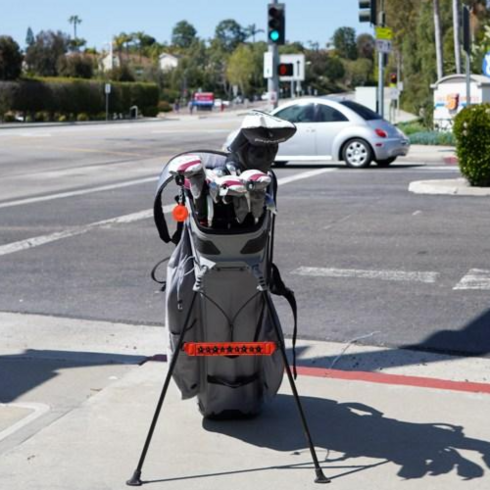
<point>238,383</point>
<point>278,288</point>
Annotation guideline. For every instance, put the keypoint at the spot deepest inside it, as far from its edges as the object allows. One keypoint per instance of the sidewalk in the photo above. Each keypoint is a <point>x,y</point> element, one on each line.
<point>402,418</point>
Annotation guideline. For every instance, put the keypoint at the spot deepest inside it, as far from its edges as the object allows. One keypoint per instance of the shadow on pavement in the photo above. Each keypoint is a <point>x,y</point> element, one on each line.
<point>470,341</point>
<point>356,430</point>
<point>24,372</point>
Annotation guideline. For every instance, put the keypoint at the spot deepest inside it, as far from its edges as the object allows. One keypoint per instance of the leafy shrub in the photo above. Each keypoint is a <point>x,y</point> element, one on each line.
<point>83,117</point>
<point>75,96</point>
<point>62,118</point>
<point>164,106</point>
<point>472,131</point>
<point>432,138</point>
<point>411,127</point>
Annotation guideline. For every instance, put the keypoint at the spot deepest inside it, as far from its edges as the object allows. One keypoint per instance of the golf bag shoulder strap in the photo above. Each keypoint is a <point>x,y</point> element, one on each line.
<point>278,288</point>
<point>209,157</point>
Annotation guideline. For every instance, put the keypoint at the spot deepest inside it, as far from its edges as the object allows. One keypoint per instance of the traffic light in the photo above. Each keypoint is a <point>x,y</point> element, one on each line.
<point>276,32</point>
<point>285,69</point>
<point>466,30</point>
<point>393,79</point>
<point>368,11</point>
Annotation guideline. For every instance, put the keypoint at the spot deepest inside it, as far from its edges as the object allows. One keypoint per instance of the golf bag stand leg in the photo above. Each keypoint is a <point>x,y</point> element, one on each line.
<point>135,480</point>
<point>320,477</point>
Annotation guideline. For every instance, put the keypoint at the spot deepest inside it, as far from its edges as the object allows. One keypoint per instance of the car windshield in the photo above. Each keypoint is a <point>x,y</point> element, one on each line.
<point>361,110</point>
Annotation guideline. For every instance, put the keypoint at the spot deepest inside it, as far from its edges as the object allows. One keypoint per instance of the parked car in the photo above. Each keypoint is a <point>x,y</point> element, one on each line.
<point>338,130</point>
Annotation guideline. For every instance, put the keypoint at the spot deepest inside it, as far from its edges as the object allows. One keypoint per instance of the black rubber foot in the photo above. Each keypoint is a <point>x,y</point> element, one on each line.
<point>135,480</point>
<point>320,477</point>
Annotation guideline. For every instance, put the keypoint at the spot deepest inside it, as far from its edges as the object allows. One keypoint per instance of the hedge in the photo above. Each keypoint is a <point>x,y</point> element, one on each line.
<point>76,96</point>
<point>472,132</point>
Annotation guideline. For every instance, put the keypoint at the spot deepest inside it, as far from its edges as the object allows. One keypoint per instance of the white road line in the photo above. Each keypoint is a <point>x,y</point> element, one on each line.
<point>475,279</point>
<point>30,243</point>
<point>203,131</point>
<point>81,192</point>
<point>305,175</point>
<point>76,230</point>
<point>386,275</point>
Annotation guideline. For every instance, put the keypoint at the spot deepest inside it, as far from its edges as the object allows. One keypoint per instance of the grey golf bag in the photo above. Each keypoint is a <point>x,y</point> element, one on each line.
<point>225,341</point>
<point>226,267</point>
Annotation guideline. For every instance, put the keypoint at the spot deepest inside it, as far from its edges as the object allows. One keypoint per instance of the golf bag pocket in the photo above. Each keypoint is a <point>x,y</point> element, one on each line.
<point>179,293</point>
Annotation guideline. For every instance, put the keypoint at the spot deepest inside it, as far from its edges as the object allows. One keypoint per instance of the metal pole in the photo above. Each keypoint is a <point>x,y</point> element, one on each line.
<point>468,80</point>
<point>380,85</point>
<point>273,83</point>
<point>106,106</point>
<point>135,480</point>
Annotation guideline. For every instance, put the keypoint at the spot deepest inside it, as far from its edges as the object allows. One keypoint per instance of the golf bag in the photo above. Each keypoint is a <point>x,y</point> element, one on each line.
<point>227,267</point>
<point>219,279</point>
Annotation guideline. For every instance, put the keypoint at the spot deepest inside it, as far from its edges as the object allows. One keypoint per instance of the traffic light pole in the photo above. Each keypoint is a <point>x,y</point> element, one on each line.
<point>273,82</point>
<point>381,72</point>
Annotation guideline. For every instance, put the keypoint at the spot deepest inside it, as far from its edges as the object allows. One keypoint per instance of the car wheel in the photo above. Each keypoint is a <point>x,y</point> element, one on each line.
<point>357,153</point>
<point>280,164</point>
<point>385,163</point>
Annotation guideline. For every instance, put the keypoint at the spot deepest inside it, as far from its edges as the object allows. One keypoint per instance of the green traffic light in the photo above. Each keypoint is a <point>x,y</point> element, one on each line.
<point>274,35</point>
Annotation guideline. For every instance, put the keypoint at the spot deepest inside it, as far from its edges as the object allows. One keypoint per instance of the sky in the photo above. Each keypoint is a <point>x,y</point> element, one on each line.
<point>306,20</point>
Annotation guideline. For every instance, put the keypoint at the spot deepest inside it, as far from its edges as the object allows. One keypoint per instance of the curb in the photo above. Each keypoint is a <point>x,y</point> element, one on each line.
<point>451,187</point>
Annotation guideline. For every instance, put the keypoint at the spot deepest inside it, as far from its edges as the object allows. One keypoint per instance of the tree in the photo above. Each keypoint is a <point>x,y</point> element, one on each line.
<point>365,46</point>
<point>183,34</point>
<point>42,56</point>
<point>230,34</point>
<point>344,41</point>
<point>10,59</point>
<point>75,20</point>
<point>240,68</point>
<point>334,69</point>
<point>29,37</point>
<point>252,31</point>
<point>75,65</point>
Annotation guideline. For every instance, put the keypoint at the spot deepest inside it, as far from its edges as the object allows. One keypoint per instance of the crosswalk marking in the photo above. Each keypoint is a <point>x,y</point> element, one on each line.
<point>475,279</point>
<point>385,275</point>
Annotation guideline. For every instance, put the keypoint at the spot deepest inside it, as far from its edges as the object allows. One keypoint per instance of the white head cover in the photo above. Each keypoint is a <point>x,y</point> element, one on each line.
<point>190,167</point>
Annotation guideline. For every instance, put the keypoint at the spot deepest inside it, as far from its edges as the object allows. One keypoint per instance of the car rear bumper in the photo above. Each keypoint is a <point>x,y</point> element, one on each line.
<point>389,148</point>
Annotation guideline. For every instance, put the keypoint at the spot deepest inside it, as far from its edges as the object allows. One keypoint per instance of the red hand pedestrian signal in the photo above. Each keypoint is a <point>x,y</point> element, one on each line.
<point>285,69</point>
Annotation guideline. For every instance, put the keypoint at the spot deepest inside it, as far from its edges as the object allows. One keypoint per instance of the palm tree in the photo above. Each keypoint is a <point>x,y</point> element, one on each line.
<point>75,20</point>
<point>252,30</point>
<point>438,39</point>
<point>457,47</point>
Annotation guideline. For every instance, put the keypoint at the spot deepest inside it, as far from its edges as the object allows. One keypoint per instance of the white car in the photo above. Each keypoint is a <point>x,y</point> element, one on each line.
<point>332,130</point>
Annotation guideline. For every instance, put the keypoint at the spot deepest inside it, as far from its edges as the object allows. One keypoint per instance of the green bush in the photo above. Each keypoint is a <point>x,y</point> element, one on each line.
<point>432,138</point>
<point>472,131</point>
<point>75,96</point>
<point>412,127</point>
<point>83,117</point>
<point>164,106</point>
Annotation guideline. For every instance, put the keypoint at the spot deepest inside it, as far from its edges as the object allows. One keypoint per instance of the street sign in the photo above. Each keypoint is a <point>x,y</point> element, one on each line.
<point>107,88</point>
<point>298,62</point>
<point>384,33</point>
<point>268,65</point>
<point>486,65</point>
<point>394,93</point>
<point>383,46</point>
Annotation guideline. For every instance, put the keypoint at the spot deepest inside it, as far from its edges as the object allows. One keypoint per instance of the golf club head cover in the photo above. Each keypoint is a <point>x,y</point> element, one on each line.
<point>255,145</point>
<point>192,169</point>
<point>256,182</point>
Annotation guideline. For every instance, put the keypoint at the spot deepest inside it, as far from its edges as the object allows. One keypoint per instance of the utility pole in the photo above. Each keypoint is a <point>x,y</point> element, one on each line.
<point>381,62</point>
<point>467,50</point>
<point>276,24</point>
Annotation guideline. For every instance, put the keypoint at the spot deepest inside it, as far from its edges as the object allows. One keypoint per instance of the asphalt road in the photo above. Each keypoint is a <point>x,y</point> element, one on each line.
<point>367,259</point>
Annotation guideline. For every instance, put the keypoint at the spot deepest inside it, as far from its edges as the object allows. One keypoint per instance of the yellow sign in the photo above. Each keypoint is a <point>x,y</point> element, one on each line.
<point>384,33</point>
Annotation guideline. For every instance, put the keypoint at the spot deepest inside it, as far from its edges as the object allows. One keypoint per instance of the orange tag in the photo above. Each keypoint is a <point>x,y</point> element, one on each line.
<point>230,348</point>
<point>180,213</point>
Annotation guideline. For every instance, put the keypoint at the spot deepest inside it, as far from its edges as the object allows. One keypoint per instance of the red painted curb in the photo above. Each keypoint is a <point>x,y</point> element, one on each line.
<point>452,160</point>
<point>396,379</point>
<point>380,378</point>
